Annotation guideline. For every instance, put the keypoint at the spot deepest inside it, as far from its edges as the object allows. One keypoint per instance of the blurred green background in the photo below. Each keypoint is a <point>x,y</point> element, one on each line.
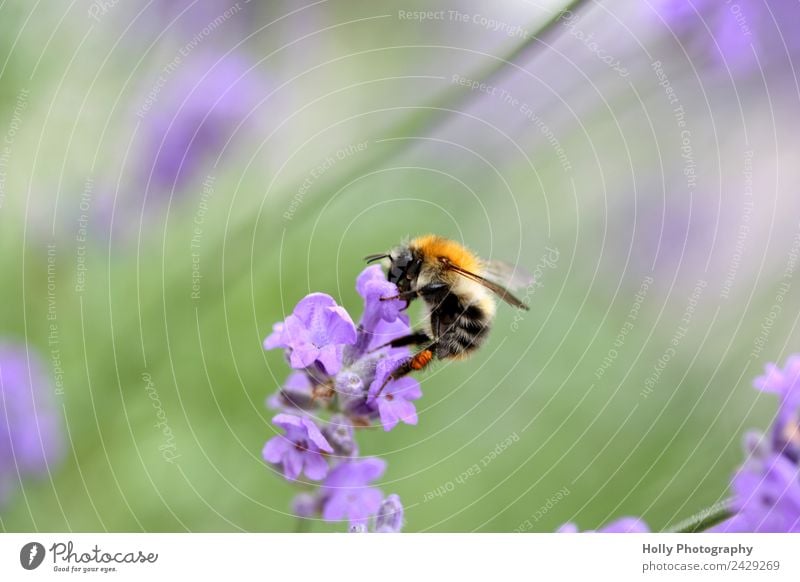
<point>600,178</point>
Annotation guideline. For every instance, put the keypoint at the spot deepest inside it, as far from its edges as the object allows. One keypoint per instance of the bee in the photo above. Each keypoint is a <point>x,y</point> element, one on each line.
<point>458,290</point>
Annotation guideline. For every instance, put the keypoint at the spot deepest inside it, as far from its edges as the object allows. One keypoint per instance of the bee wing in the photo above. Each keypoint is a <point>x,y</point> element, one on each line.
<point>495,288</point>
<point>507,275</point>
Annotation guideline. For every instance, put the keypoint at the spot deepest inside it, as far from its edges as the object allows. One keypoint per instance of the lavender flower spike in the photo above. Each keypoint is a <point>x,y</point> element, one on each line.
<point>30,443</point>
<point>339,370</point>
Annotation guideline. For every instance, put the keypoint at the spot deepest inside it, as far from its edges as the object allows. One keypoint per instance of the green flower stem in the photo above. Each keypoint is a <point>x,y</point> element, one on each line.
<point>302,525</point>
<point>705,519</point>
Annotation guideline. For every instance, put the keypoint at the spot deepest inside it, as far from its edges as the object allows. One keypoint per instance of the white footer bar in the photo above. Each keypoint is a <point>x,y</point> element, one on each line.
<point>406,557</point>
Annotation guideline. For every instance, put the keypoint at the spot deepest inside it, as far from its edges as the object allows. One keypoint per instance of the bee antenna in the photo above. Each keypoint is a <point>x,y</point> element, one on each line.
<point>376,257</point>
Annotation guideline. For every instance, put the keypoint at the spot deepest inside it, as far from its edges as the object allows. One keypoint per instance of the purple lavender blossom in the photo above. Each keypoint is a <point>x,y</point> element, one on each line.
<point>347,493</point>
<point>316,331</point>
<point>382,319</point>
<point>385,331</point>
<point>622,525</point>
<point>340,369</point>
<point>390,515</point>
<point>30,441</point>
<point>300,450</point>
<point>275,339</point>
<point>373,286</point>
<point>295,394</point>
<point>394,401</point>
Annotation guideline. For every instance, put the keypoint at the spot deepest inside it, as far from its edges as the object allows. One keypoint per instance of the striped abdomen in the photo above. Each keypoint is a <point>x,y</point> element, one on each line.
<point>458,329</point>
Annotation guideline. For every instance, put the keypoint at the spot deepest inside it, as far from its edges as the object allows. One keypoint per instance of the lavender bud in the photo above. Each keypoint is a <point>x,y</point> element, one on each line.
<point>305,505</point>
<point>339,432</point>
<point>390,515</point>
<point>349,383</point>
<point>350,388</point>
<point>755,445</point>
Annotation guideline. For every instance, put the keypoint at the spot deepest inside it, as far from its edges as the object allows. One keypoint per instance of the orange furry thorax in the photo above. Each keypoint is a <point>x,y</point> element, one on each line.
<point>432,246</point>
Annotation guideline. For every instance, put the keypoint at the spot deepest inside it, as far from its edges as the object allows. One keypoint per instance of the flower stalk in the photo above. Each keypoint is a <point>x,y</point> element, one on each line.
<point>705,519</point>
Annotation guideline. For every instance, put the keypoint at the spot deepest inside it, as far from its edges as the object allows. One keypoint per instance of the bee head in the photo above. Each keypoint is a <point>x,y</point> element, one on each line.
<point>403,268</point>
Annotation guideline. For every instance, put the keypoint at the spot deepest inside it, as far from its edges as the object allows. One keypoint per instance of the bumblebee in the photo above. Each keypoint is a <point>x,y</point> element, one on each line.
<point>458,289</point>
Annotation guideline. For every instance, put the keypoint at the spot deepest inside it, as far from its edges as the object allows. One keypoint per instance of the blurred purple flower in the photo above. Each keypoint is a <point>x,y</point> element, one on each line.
<point>390,515</point>
<point>766,497</point>
<point>766,489</point>
<point>724,41</point>
<point>786,384</point>
<point>394,401</point>
<point>300,449</point>
<point>622,525</point>
<point>347,494</point>
<point>193,16</point>
<point>30,439</point>
<point>189,123</point>
<point>317,330</point>
<point>187,23</point>
<point>728,34</point>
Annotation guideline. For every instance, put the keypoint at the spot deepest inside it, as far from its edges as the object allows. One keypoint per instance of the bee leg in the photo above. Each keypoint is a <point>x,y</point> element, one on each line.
<point>416,362</point>
<point>412,339</point>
